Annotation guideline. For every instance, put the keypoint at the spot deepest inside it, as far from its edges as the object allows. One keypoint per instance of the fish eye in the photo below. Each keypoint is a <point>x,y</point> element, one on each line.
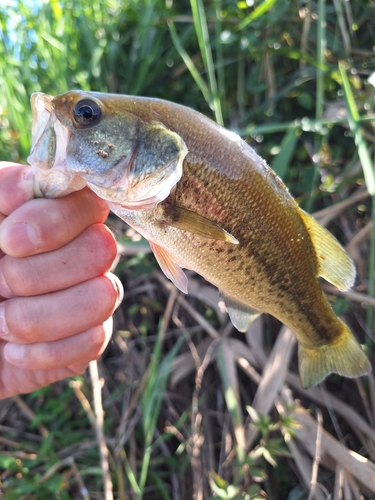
<point>86,113</point>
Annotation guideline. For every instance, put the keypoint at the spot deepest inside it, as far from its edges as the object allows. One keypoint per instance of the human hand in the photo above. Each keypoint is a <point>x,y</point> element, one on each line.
<point>56,293</point>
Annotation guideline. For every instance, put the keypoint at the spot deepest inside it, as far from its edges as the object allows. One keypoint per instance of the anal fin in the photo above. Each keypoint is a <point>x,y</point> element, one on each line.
<point>240,315</point>
<point>170,267</point>
<point>334,264</point>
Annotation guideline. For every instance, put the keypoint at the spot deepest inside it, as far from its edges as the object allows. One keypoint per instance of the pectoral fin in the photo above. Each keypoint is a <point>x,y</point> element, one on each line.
<point>194,223</point>
<point>334,264</point>
<point>170,267</point>
<point>240,315</point>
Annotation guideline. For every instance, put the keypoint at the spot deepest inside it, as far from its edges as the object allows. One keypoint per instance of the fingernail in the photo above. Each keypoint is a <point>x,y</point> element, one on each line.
<point>19,239</point>
<point>120,292</point>
<point>15,353</point>
<point>118,287</point>
<point>4,332</point>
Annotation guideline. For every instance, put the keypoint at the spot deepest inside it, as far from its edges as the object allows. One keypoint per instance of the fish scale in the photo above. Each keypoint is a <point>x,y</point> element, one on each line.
<point>207,202</point>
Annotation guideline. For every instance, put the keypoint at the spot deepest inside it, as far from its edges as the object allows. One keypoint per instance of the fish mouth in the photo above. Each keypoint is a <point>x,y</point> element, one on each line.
<point>41,108</point>
<point>49,150</point>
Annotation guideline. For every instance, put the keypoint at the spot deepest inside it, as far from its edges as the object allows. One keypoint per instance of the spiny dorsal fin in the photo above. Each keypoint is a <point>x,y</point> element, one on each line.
<point>170,267</point>
<point>240,315</point>
<point>194,223</point>
<point>334,264</point>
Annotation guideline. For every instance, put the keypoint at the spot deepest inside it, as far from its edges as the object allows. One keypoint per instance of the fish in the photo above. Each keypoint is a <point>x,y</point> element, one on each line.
<point>206,202</point>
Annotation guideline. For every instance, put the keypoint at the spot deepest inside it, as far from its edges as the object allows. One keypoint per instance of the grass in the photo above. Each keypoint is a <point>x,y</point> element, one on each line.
<point>190,408</point>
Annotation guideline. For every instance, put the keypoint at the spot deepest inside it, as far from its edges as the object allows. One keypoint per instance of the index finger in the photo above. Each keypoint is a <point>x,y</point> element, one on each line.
<point>42,225</point>
<point>16,186</point>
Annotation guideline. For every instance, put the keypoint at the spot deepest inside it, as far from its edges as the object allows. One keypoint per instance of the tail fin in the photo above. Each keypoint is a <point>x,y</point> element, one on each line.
<point>345,357</point>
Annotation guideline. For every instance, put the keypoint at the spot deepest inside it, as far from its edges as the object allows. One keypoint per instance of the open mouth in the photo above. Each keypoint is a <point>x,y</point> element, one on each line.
<point>41,110</point>
<point>48,151</point>
<point>49,137</point>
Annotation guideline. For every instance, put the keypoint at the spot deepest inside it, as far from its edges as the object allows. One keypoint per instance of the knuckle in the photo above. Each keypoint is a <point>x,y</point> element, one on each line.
<point>109,245</point>
<point>103,245</point>
<point>101,297</point>
<point>78,369</point>
<point>5,280</point>
<point>23,319</point>
<point>116,291</point>
<point>61,218</point>
<point>18,276</point>
<point>97,342</point>
<point>16,186</point>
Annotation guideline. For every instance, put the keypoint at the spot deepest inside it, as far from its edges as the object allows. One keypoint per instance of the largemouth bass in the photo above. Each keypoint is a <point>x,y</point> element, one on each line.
<point>205,201</point>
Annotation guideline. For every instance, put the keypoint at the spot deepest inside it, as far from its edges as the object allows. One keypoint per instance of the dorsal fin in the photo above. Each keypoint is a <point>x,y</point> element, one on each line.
<point>334,264</point>
<point>240,315</point>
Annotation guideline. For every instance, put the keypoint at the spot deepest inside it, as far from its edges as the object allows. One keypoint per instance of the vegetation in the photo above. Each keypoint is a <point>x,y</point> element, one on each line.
<point>192,408</point>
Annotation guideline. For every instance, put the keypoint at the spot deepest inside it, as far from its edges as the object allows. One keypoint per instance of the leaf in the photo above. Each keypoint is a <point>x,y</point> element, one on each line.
<point>267,455</point>
<point>254,415</point>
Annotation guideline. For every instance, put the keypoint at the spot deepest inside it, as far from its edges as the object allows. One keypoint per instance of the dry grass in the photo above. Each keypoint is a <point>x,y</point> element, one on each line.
<point>232,418</point>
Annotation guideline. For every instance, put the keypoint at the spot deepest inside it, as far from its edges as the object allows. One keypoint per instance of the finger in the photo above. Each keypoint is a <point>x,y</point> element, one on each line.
<point>45,318</point>
<point>16,187</point>
<point>76,351</point>
<point>89,255</point>
<point>15,380</point>
<point>43,225</point>
<point>104,336</point>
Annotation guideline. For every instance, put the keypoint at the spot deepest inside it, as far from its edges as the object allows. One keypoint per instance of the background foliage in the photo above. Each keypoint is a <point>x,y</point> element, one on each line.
<point>191,412</point>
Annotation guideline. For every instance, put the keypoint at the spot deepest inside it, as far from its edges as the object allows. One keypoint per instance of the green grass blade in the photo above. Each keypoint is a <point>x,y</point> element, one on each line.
<point>53,41</point>
<point>371,278</point>
<point>152,399</point>
<point>321,59</point>
<point>129,473</point>
<point>305,125</point>
<point>353,119</point>
<point>201,29</point>
<point>219,52</point>
<point>368,168</point>
<point>189,62</point>
<point>319,106</point>
<point>229,378</point>
<point>256,13</point>
<point>281,162</point>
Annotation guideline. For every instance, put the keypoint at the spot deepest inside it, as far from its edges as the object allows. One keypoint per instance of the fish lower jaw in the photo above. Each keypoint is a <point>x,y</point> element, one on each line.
<point>55,184</point>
